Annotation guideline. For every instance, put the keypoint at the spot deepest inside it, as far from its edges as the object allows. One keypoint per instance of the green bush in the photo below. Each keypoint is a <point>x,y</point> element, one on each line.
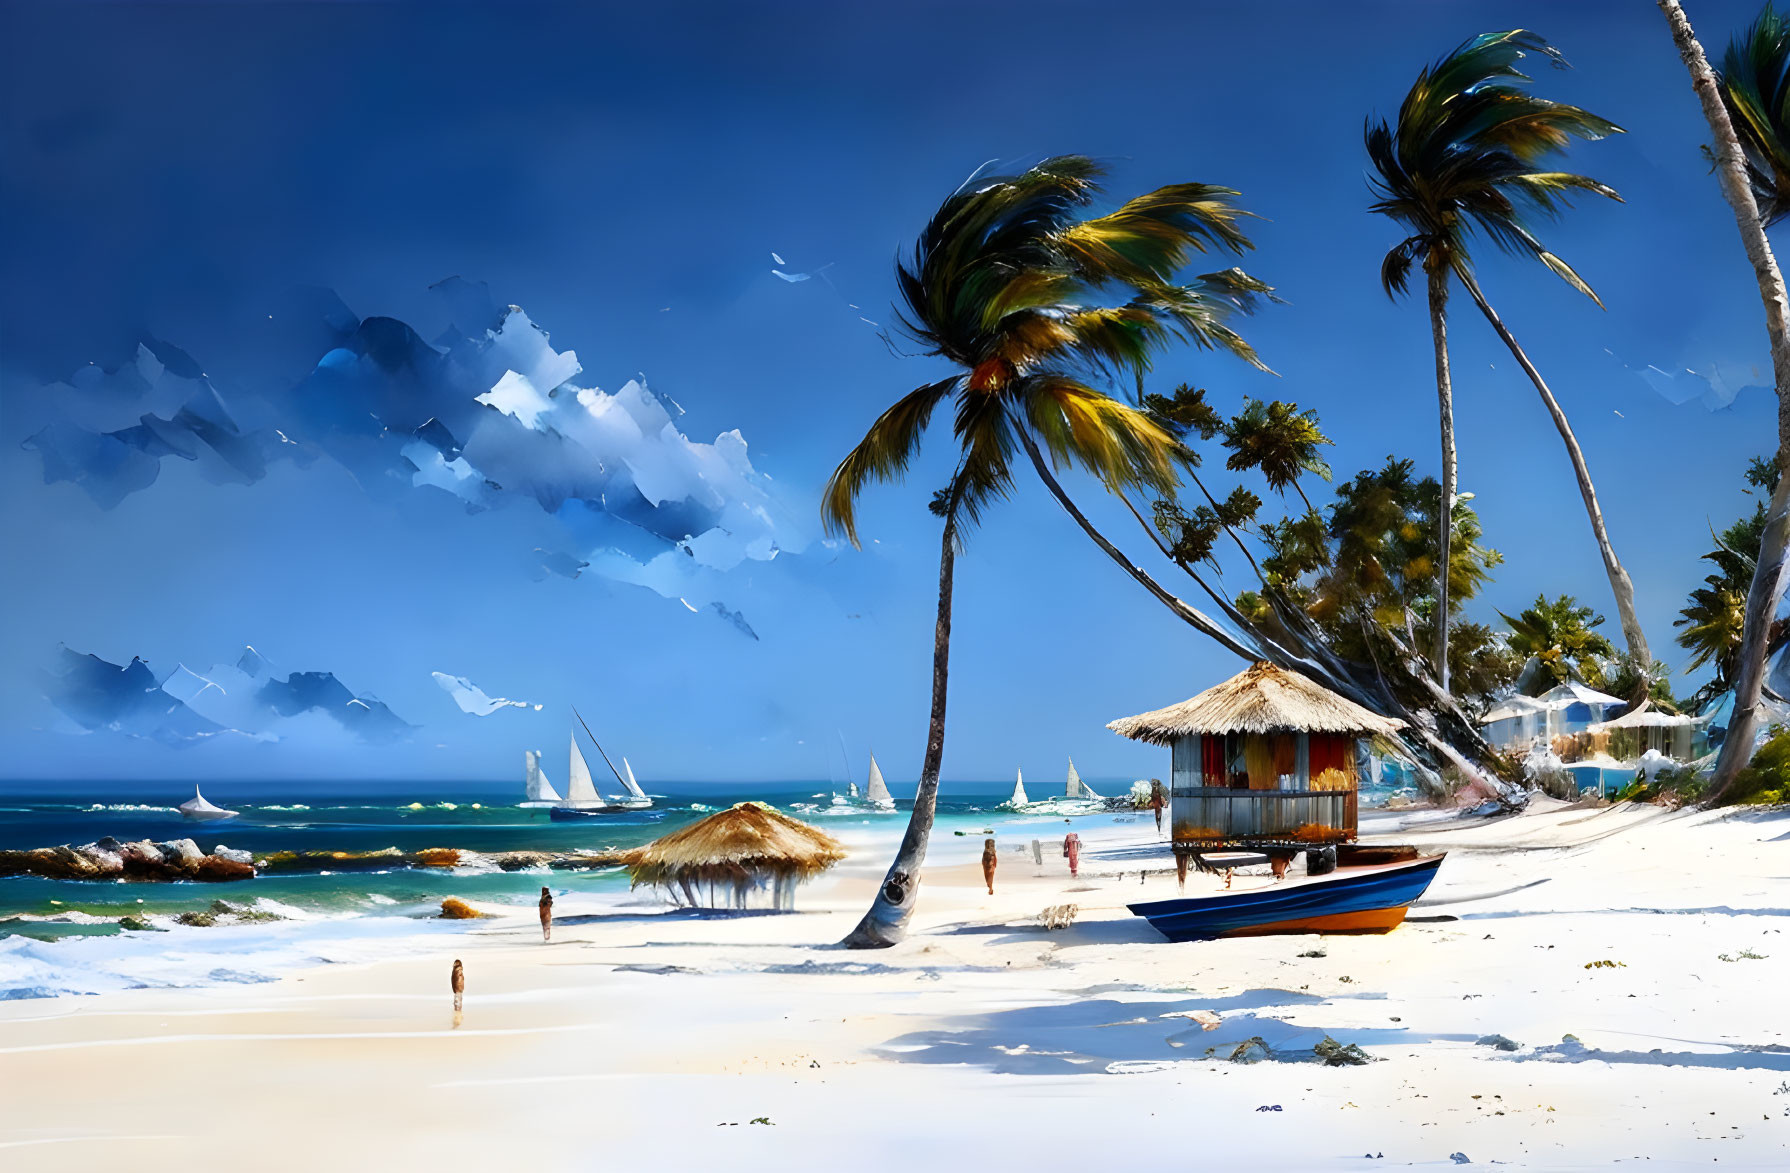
<point>1766,778</point>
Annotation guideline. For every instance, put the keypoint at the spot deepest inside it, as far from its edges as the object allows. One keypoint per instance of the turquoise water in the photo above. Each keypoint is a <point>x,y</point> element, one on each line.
<point>62,937</point>
<point>286,817</point>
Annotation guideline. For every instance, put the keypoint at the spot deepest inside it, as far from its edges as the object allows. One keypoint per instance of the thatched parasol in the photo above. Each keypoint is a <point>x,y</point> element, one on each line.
<point>746,847</point>
<point>1260,699</point>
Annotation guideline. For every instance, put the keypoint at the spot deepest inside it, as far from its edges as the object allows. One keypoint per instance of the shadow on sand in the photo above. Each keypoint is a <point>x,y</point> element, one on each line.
<point>1105,1034</point>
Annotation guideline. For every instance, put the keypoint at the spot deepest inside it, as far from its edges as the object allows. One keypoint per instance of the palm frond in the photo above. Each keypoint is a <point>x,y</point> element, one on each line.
<point>1468,147</point>
<point>1121,445</point>
<point>1150,238</point>
<point>1755,86</point>
<point>883,454</point>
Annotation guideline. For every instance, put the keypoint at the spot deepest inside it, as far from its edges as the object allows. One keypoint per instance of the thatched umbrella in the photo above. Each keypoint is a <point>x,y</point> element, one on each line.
<point>747,848</point>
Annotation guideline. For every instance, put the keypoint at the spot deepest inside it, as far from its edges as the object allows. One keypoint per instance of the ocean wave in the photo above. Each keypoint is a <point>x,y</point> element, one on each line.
<point>129,806</point>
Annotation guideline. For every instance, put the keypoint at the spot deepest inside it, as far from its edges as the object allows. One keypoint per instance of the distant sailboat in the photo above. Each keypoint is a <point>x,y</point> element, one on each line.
<point>1019,789</point>
<point>583,799</point>
<point>537,789</point>
<point>876,792</point>
<point>851,790</point>
<point>634,790</point>
<point>197,807</point>
<point>1076,788</point>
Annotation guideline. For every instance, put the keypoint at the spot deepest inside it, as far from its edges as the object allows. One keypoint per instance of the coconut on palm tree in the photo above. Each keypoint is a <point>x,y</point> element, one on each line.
<point>1036,308</point>
<point>1468,152</point>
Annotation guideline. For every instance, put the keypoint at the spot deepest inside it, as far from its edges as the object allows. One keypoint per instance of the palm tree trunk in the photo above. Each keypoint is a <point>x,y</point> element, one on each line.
<point>1320,666</point>
<point>1769,573</point>
<point>1438,275</point>
<point>1620,584</point>
<point>886,922</point>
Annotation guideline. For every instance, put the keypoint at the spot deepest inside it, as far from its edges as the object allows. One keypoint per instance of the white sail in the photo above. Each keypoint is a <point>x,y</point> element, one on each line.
<point>851,789</point>
<point>628,780</point>
<point>1019,789</point>
<point>580,790</point>
<point>538,788</point>
<point>875,789</point>
<point>1076,788</point>
<point>197,807</point>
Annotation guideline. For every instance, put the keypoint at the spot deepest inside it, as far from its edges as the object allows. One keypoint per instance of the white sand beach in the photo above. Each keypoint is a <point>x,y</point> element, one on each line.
<point>734,1042</point>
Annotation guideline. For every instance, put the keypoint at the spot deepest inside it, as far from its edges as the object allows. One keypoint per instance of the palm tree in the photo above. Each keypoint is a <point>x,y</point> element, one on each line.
<point>1016,292</point>
<point>1754,195</point>
<point>1467,153</point>
<point>1560,636</point>
<point>1279,441</point>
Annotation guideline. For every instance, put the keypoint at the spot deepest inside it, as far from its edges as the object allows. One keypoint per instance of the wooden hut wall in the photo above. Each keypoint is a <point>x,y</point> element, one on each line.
<point>1228,789</point>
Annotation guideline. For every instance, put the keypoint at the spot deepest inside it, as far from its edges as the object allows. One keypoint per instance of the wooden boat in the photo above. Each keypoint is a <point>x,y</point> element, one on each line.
<point>1370,899</point>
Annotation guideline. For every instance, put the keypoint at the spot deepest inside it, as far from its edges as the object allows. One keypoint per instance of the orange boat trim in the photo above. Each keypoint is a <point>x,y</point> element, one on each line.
<point>1373,920</point>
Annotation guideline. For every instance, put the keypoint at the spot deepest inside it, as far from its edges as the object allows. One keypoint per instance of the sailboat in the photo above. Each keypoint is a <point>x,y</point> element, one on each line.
<point>1076,788</point>
<point>1019,798</point>
<point>583,799</point>
<point>538,791</point>
<point>197,807</point>
<point>876,791</point>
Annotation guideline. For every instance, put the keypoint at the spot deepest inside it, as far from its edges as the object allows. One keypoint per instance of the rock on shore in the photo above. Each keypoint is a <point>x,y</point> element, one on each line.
<point>181,859</point>
<point>108,859</point>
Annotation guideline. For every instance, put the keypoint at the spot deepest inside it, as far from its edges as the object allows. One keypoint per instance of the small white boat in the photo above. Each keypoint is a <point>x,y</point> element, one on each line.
<point>1076,788</point>
<point>1019,798</point>
<point>537,790</point>
<point>876,791</point>
<point>197,807</point>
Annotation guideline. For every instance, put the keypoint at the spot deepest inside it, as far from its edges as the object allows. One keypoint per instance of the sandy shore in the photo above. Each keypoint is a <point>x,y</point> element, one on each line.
<point>638,1035</point>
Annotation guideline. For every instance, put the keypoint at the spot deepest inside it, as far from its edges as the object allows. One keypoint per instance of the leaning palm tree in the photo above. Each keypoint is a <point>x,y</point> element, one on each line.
<point>1773,564</point>
<point>1467,153</point>
<point>1036,307</point>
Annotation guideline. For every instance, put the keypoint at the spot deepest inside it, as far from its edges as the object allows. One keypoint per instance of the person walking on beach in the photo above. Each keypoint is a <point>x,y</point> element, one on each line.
<point>1072,852</point>
<point>1157,802</point>
<point>547,915</point>
<point>988,862</point>
<point>458,982</point>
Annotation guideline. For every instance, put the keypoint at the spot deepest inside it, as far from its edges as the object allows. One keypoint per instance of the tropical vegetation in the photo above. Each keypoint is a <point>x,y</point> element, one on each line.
<point>1471,151</point>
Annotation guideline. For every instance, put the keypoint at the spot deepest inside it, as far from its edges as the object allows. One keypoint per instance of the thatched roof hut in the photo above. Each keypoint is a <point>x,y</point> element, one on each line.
<point>723,860</point>
<point>1260,699</point>
<point>1267,757</point>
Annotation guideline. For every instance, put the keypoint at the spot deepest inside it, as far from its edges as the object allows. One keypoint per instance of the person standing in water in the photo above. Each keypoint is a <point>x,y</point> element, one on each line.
<point>547,913</point>
<point>1072,852</point>
<point>458,982</point>
<point>988,862</point>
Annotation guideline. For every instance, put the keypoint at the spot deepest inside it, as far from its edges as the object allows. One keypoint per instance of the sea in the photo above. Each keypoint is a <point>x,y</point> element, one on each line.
<point>64,937</point>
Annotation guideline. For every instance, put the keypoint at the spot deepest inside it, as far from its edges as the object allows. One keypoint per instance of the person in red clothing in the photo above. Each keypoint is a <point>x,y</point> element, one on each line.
<point>1072,852</point>
<point>1157,801</point>
<point>546,915</point>
<point>988,862</point>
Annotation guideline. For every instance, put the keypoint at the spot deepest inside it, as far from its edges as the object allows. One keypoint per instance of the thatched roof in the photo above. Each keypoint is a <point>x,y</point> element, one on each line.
<point>746,838</point>
<point>1260,699</point>
<point>1645,716</point>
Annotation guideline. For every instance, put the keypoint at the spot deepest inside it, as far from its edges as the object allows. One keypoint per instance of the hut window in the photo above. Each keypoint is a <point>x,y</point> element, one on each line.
<point>1332,761</point>
<point>1212,761</point>
<point>1261,756</point>
<point>1234,747</point>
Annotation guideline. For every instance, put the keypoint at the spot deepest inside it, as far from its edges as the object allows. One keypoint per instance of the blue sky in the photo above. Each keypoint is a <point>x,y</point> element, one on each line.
<point>624,175</point>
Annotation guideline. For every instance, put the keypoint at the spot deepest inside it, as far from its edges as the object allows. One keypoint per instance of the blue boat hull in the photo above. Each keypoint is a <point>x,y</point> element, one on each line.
<point>567,814</point>
<point>1369,900</point>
